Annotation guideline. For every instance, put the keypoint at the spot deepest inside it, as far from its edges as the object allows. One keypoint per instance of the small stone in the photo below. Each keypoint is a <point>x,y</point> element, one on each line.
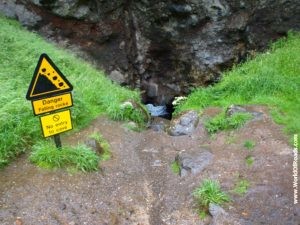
<point>194,162</point>
<point>216,210</point>
<point>94,145</point>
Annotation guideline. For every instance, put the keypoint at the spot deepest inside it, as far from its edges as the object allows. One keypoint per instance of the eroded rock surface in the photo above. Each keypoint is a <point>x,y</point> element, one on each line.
<point>166,47</point>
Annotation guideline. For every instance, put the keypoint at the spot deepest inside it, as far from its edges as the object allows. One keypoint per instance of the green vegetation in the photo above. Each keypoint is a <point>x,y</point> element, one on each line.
<point>106,153</point>
<point>271,78</point>
<point>249,160</point>
<point>223,122</point>
<point>175,167</point>
<point>81,158</point>
<point>93,94</point>
<point>249,145</point>
<point>241,187</point>
<point>210,192</point>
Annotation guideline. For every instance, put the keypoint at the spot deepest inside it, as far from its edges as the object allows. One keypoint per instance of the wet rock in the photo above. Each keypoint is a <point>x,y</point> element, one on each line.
<point>193,163</point>
<point>94,145</point>
<point>117,77</point>
<point>184,124</point>
<point>233,109</point>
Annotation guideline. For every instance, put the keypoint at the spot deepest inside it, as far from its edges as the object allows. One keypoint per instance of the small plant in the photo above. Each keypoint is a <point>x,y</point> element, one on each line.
<point>175,167</point>
<point>79,158</point>
<point>106,155</point>
<point>222,122</point>
<point>249,145</point>
<point>202,214</point>
<point>210,192</point>
<point>241,187</point>
<point>249,160</point>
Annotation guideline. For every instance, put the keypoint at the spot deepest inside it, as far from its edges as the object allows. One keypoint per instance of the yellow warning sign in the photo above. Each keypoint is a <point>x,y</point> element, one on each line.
<point>47,80</point>
<point>56,123</point>
<point>45,105</point>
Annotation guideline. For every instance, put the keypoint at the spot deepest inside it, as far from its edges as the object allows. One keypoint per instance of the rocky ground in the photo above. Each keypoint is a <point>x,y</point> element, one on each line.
<point>137,186</point>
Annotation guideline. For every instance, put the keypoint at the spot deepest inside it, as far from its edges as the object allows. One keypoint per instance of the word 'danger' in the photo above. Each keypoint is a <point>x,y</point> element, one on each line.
<point>51,104</point>
<point>56,123</point>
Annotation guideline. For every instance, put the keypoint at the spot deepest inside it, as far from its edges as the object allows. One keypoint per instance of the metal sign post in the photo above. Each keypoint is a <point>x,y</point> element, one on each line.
<point>57,141</point>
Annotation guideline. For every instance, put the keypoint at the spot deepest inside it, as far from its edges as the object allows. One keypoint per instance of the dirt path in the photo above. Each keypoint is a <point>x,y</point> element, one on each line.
<point>137,185</point>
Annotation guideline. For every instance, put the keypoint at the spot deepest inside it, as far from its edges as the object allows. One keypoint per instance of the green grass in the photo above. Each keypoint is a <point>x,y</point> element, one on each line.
<point>223,122</point>
<point>241,187</point>
<point>249,145</point>
<point>81,158</point>
<point>210,192</point>
<point>271,78</point>
<point>93,94</point>
<point>249,160</point>
<point>175,167</point>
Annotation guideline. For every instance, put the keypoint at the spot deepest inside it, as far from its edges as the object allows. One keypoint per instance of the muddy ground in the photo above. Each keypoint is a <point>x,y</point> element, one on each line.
<point>138,187</point>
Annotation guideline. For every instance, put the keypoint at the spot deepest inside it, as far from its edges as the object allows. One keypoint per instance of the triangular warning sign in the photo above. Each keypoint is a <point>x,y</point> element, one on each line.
<point>47,80</point>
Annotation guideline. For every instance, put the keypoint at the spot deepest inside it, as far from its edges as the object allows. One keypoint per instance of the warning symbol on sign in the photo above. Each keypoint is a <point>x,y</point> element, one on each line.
<point>47,80</point>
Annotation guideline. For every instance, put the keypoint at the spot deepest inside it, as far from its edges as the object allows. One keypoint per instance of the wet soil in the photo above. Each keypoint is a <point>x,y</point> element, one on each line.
<point>138,187</point>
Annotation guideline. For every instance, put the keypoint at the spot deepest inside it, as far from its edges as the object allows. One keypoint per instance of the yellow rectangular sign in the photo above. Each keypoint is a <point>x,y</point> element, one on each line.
<point>56,123</point>
<point>42,106</point>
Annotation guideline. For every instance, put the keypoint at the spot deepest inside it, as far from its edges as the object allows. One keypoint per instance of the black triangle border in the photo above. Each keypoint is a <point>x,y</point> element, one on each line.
<point>35,74</point>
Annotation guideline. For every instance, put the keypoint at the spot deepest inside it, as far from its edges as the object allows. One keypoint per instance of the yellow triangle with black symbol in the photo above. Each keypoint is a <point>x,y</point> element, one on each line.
<point>47,80</point>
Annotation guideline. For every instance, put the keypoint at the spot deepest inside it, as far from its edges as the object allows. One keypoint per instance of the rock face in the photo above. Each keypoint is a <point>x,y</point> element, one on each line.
<point>166,47</point>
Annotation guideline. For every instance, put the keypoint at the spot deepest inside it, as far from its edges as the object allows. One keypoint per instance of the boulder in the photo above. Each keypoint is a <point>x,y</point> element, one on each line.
<point>195,162</point>
<point>184,124</point>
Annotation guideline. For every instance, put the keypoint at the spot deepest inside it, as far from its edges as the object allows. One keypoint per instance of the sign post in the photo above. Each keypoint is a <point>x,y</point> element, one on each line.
<point>50,92</point>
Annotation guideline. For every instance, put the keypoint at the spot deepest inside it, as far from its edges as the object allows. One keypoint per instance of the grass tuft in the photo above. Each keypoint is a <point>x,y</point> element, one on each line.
<point>80,158</point>
<point>210,192</point>
<point>241,187</point>
<point>249,145</point>
<point>175,167</point>
<point>249,160</point>
<point>222,122</point>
